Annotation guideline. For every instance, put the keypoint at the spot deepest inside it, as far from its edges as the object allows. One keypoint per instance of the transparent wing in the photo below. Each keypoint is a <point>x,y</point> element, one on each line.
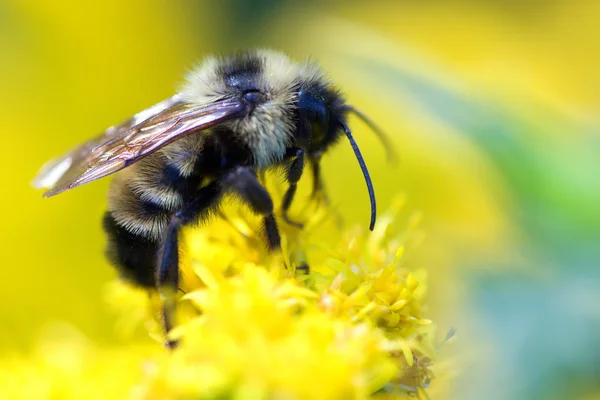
<point>122,145</point>
<point>53,170</point>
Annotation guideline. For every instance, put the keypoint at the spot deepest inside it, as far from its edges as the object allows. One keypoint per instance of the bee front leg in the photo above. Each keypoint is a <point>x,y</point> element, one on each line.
<point>244,182</point>
<point>167,274</point>
<point>293,175</point>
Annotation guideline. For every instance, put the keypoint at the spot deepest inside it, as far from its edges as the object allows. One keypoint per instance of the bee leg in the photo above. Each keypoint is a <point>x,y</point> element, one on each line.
<point>168,277</point>
<point>168,267</point>
<point>293,175</point>
<point>244,182</point>
<point>318,188</point>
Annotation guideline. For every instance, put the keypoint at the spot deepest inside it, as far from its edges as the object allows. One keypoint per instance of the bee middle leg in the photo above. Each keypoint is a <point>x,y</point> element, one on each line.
<point>244,182</point>
<point>167,274</point>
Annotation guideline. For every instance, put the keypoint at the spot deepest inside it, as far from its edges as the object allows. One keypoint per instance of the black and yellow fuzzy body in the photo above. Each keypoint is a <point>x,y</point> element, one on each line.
<point>233,119</point>
<point>292,106</point>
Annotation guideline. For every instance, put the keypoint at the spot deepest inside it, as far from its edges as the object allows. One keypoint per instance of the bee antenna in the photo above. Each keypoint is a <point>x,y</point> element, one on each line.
<point>365,172</point>
<point>392,156</point>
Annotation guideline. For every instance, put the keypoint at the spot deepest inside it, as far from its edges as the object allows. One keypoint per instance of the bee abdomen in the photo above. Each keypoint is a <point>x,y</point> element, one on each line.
<point>134,255</point>
<point>141,202</point>
<point>138,215</point>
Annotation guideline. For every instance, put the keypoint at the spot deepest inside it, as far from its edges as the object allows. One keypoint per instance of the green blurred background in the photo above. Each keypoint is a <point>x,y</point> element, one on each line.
<point>493,106</point>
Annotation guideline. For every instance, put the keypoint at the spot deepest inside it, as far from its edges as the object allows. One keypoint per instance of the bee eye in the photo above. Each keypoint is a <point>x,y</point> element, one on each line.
<point>313,107</point>
<point>253,97</point>
<point>314,114</point>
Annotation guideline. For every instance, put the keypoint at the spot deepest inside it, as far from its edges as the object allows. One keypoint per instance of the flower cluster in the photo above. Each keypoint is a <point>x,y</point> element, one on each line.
<point>334,315</point>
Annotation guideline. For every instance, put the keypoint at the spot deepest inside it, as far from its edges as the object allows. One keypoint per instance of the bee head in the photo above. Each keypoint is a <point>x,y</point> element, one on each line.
<point>322,121</point>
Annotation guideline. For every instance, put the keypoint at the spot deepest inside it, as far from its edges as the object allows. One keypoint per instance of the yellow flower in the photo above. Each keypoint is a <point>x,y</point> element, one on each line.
<point>335,315</point>
<point>258,338</point>
<point>355,283</point>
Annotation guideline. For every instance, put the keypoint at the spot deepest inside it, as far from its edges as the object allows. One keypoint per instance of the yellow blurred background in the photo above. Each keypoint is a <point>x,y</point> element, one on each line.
<point>493,106</point>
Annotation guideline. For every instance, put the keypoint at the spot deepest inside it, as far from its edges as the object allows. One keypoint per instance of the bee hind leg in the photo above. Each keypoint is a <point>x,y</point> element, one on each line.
<point>168,266</point>
<point>244,182</point>
<point>168,277</point>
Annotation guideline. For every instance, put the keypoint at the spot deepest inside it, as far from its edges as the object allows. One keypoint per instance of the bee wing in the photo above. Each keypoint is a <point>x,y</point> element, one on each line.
<point>124,144</point>
<point>53,170</point>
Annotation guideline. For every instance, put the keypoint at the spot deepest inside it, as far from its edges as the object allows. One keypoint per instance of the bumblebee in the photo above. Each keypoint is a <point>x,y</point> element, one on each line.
<point>233,119</point>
